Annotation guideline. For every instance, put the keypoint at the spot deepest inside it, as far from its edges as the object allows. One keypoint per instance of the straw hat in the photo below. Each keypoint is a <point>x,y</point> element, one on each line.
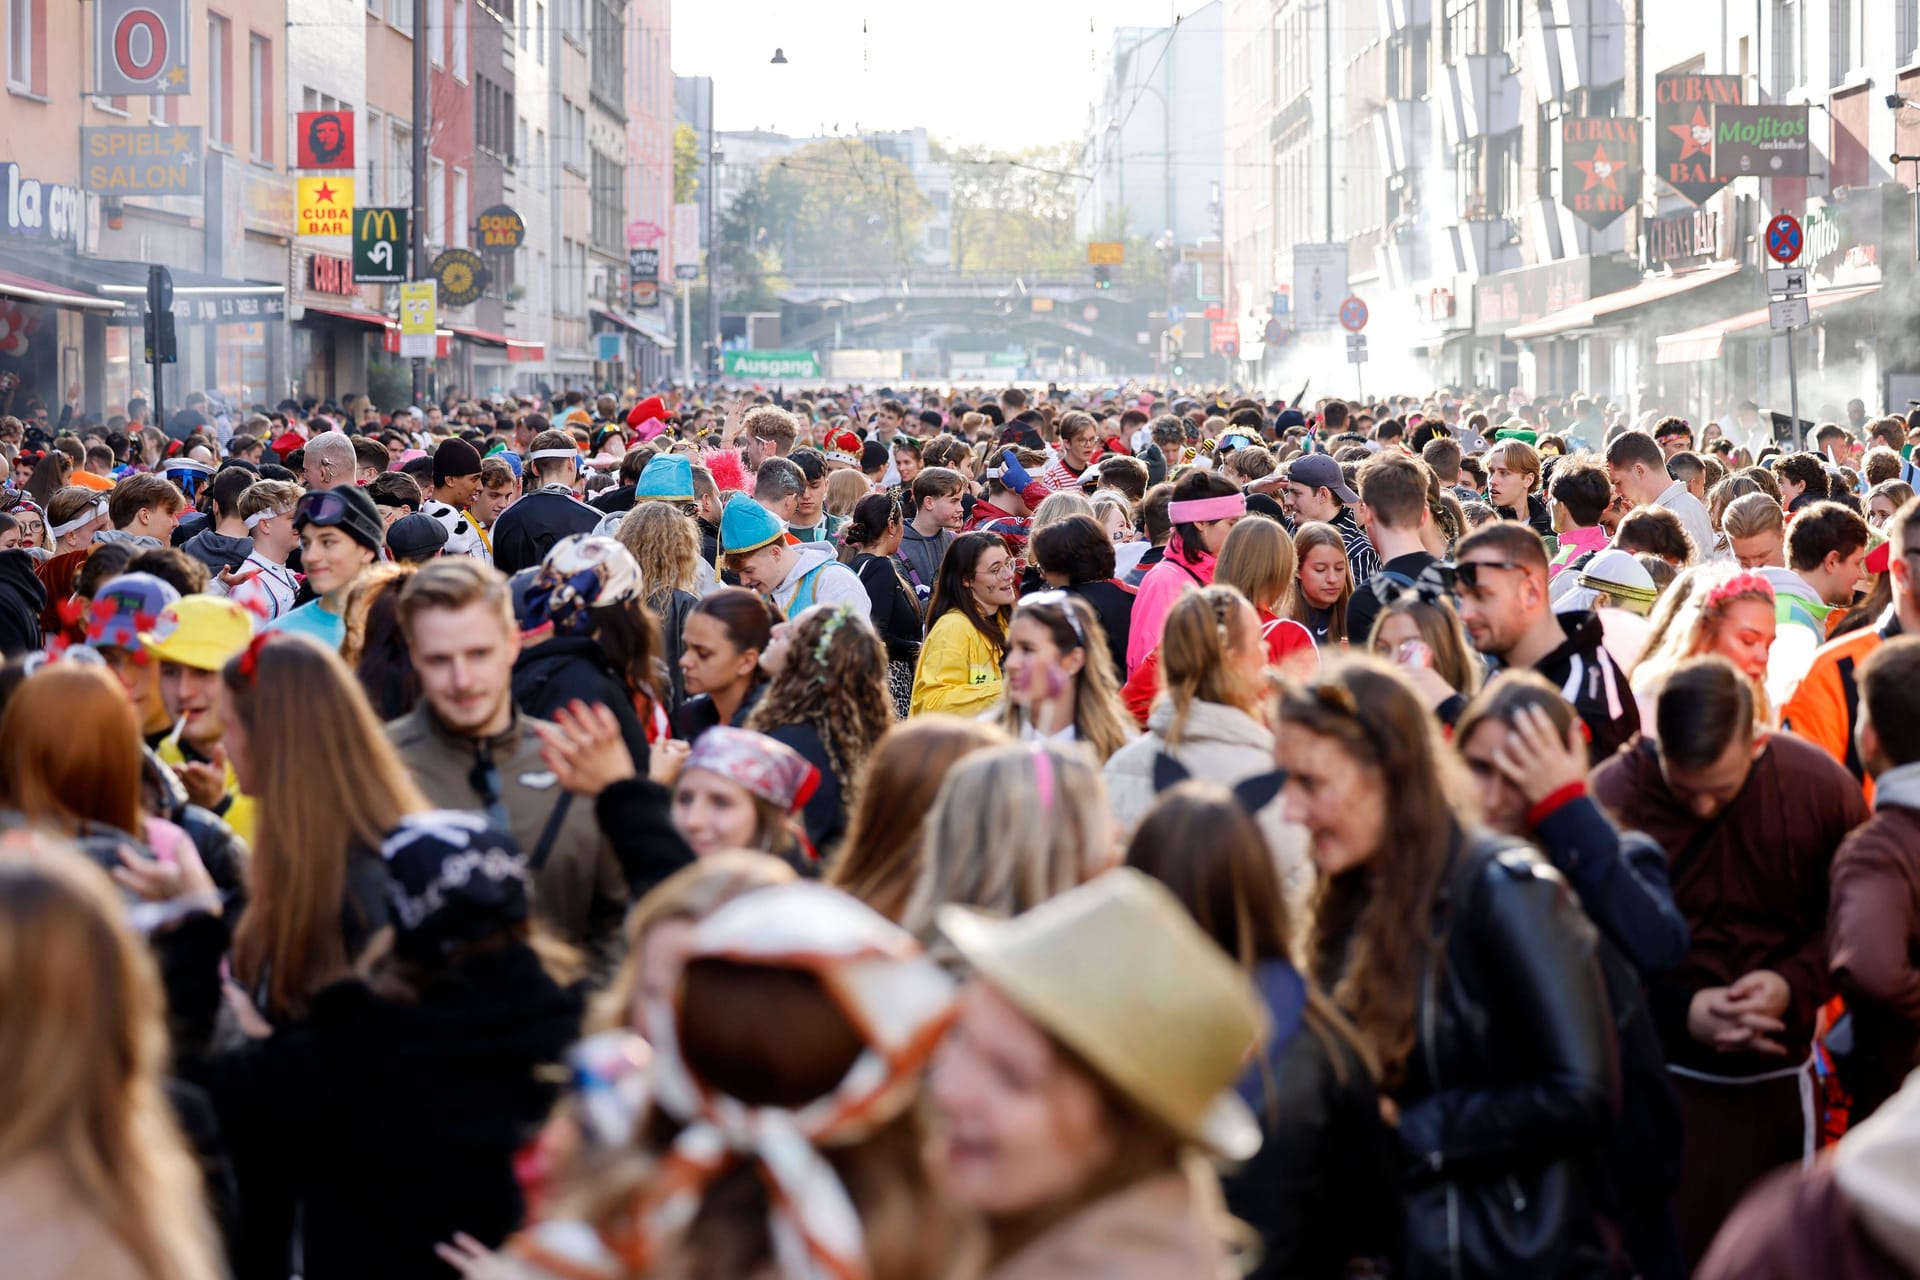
<point>1119,973</point>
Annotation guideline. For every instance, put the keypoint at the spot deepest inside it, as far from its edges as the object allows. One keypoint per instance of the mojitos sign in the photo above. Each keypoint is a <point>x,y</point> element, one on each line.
<point>1763,142</point>
<point>772,364</point>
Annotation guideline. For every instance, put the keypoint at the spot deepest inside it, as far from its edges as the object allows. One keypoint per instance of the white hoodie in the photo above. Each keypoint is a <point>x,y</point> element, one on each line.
<point>832,585</point>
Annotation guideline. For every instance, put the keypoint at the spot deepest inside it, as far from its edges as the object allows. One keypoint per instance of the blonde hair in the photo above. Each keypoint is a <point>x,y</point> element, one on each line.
<point>1519,456</point>
<point>83,1049</point>
<point>1201,627</point>
<point>1100,720</point>
<point>1684,623</point>
<point>1011,827</point>
<point>845,488</point>
<point>666,546</point>
<point>1751,513</point>
<point>1258,561</point>
<point>1056,507</point>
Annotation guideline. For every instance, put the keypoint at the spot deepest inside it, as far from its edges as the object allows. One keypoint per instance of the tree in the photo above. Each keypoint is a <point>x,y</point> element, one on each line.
<point>686,163</point>
<point>838,202</point>
<point>1015,211</point>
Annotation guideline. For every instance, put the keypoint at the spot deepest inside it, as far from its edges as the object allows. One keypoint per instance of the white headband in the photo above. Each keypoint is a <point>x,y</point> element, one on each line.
<point>541,455</point>
<point>254,520</point>
<point>80,521</point>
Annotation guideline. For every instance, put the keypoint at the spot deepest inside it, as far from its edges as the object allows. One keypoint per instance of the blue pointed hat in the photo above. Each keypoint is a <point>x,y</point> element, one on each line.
<point>668,478</point>
<point>746,526</point>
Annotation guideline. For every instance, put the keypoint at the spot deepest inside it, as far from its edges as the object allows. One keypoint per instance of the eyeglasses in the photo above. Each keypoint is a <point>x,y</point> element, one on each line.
<point>1056,599</point>
<point>321,506</point>
<point>1468,571</point>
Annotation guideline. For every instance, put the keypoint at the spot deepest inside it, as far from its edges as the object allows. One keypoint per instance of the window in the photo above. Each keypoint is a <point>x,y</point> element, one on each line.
<point>400,164</point>
<point>459,54</point>
<point>522,23</point>
<point>436,37</point>
<point>607,67</point>
<point>400,14</point>
<point>458,234</point>
<point>540,158</point>
<point>219,81</point>
<point>1840,42</point>
<point>26,46</point>
<point>1789,46</point>
<point>1906,17</point>
<point>376,193</point>
<point>607,200</point>
<point>437,202</point>
<point>373,7</point>
<point>579,127</point>
<point>520,142</point>
<point>540,33</point>
<point>260,114</point>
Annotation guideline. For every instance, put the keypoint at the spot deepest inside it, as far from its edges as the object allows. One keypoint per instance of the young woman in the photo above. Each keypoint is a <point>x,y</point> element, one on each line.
<point>1258,561</point>
<point>1732,614</point>
<point>1424,638</point>
<point>1076,556</point>
<point>50,474</point>
<point>967,619</point>
<point>1324,584</point>
<point>827,701</point>
<point>1886,498</point>
<point>33,528</point>
<point>1010,828</point>
<point>1203,511</point>
<point>1211,718</point>
<point>1058,687</point>
<point>880,859</point>
<point>328,789</point>
<point>1497,1116</point>
<point>376,647</point>
<point>724,637</point>
<point>738,789</point>
<point>1323,1190</point>
<point>96,1179</point>
<point>666,546</point>
<point>870,540</point>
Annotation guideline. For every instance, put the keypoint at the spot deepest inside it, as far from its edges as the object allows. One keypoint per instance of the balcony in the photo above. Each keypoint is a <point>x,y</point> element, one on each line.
<point>1482,245</point>
<point>1575,44</point>
<point>1402,135</point>
<point>1396,16</point>
<point>1479,94</point>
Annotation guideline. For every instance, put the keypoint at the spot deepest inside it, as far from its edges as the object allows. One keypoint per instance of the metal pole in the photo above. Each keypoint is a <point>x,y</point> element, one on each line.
<point>1793,395</point>
<point>422,119</point>
<point>1326,17</point>
<point>713,243</point>
<point>686,333</point>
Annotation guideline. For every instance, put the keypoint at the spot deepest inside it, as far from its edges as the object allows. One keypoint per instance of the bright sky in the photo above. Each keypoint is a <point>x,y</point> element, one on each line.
<point>1006,73</point>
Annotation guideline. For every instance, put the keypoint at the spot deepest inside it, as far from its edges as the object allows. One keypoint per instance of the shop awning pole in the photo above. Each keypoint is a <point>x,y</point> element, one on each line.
<point>1793,397</point>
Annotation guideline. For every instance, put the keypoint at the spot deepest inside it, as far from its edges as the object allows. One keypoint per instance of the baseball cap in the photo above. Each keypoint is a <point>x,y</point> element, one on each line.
<point>202,632</point>
<point>125,606</point>
<point>416,537</point>
<point>1318,471</point>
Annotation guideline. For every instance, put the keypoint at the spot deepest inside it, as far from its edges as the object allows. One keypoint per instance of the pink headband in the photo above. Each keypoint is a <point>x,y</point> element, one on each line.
<point>1739,584</point>
<point>1201,510</point>
<point>1043,776</point>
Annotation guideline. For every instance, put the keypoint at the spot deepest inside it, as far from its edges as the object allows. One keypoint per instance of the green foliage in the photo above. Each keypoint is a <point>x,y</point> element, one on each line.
<point>1014,211</point>
<point>390,382</point>
<point>686,163</point>
<point>838,201</point>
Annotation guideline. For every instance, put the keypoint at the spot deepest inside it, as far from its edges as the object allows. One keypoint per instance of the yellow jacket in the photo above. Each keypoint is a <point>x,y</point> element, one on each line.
<point>959,671</point>
<point>239,813</point>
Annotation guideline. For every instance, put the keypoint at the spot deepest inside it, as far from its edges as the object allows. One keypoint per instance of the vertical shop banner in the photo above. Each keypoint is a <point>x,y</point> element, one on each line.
<point>1762,142</point>
<point>643,277</point>
<point>141,47</point>
<point>325,206</point>
<point>1683,130</point>
<point>380,245</point>
<point>419,318</point>
<point>324,139</point>
<point>1319,284</point>
<point>1600,163</point>
<point>686,241</point>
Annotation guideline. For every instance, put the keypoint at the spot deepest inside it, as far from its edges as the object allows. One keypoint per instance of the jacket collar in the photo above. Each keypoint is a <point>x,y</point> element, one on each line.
<point>501,744</point>
<point>1899,787</point>
<point>1212,722</point>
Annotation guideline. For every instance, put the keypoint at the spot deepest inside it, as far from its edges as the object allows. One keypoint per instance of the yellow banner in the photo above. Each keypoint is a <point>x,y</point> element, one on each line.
<point>325,206</point>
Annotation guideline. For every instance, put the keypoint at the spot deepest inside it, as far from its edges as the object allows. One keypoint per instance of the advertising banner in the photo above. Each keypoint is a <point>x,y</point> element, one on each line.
<point>162,160</point>
<point>1683,130</point>
<point>1763,142</point>
<point>419,318</point>
<point>324,139</point>
<point>140,47</point>
<point>325,206</point>
<point>1319,285</point>
<point>1599,167</point>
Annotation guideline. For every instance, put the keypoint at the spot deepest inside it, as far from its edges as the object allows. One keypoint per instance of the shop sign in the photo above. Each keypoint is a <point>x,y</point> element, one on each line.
<point>325,139</point>
<point>267,204</point>
<point>328,274</point>
<point>141,48</point>
<point>380,245</point>
<point>461,275</point>
<point>1683,130</point>
<point>46,210</point>
<point>501,228</point>
<point>1764,142</point>
<point>771,364</point>
<point>1531,294</point>
<point>1843,241</point>
<point>1599,167</point>
<point>643,277</point>
<point>1684,235</point>
<point>326,206</point>
<point>163,160</point>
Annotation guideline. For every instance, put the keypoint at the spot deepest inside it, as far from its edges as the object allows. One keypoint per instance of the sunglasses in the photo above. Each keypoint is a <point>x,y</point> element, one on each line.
<point>1467,572</point>
<point>1056,599</point>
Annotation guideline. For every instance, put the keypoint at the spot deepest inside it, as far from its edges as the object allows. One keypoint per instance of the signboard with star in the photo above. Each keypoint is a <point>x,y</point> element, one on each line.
<point>1683,130</point>
<point>140,47</point>
<point>325,206</point>
<point>1599,167</point>
<point>159,161</point>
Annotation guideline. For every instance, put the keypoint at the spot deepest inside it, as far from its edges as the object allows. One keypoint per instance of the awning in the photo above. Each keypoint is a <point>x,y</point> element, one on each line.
<point>617,320</point>
<point>481,336</point>
<point>1703,343</point>
<point>1589,313</point>
<point>28,289</point>
<point>519,352</point>
<point>372,319</point>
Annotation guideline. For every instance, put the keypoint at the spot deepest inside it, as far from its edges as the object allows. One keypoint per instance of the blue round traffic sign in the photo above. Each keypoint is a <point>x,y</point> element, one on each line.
<point>1353,315</point>
<point>1784,238</point>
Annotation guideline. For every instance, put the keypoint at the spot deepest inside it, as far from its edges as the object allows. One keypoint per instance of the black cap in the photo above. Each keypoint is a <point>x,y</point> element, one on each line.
<point>453,459</point>
<point>932,418</point>
<point>416,537</point>
<point>452,879</point>
<point>873,455</point>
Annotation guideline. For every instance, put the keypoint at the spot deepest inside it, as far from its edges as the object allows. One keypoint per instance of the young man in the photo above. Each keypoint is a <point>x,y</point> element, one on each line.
<point>456,480</point>
<point>143,510</point>
<point>264,585</point>
<point>1079,441</point>
<point>1673,435</point>
<point>1579,495</point>
<point>939,512</point>
<point>340,535</point>
<point>1827,547</point>
<point>1316,490</point>
<point>226,543</point>
<point>1513,485</point>
<point>778,484</point>
<point>1154,522</point>
<point>707,506</point>
<point>1393,504</point>
<point>370,459</point>
<point>1505,606</point>
<point>191,640</point>
<point>499,486</point>
<point>469,747</point>
<point>1750,821</point>
<point>1638,469</point>
<point>1803,480</point>
<point>1689,470</point>
<point>329,460</point>
<point>123,607</point>
<point>1873,921</point>
<point>793,576</point>
<point>771,432</point>
<point>810,522</point>
<point>552,509</point>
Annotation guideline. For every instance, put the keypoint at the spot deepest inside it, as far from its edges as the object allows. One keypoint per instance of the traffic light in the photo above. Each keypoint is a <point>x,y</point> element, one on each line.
<point>1179,371</point>
<point>1103,277</point>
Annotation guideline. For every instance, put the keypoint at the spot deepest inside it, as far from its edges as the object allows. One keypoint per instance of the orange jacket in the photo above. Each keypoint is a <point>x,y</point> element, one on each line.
<point>1822,708</point>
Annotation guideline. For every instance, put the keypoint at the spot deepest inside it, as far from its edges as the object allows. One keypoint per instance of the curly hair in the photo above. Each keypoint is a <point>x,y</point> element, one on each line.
<point>834,679</point>
<point>665,544</point>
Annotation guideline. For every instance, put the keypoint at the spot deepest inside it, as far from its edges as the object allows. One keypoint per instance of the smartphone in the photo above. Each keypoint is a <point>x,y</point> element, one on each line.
<point>1413,653</point>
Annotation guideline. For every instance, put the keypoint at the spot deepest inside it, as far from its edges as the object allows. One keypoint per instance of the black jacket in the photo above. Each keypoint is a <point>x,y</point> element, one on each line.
<point>825,815</point>
<point>1113,605</point>
<point>697,714</point>
<point>527,530</point>
<point>896,612</point>
<point>395,1124</point>
<point>1512,1080</point>
<point>1589,678</point>
<point>1537,517</point>
<point>554,672</point>
<point>614,501</point>
<point>637,817</point>
<point>670,610</point>
<point>22,599</point>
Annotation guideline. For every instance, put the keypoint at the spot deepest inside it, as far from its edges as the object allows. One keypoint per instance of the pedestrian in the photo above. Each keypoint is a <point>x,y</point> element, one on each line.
<point>740,789</point>
<point>1059,686</point>
<point>936,522</point>
<point>1065,1110</point>
<point>96,1179</point>
<point>793,576</point>
<point>880,858</point>
<point>1393,489</point>
<point>226,542</point>
<point>455,475</point>
<point>826,699</point>
<point>725,635</point>
<point>340,535</point>
<point>550,511</point>
<point>1323,1190</point>
<point>1514,487</point>
<point>871,539</point>
<point>966,636</point>
<point>1202,510</point>
<point>666,546</point>
<point>191,640</point>
<point>1420,633</point>
<point>1323,585</point>
<point>1750,821</point>
<point>375,647</point>
<point>1317,490</point>
<point>1259,562</point>
<point>1638,469</point>
<point>1498,1114</point>
<point>1075,555</point>
<point>1732,614</point>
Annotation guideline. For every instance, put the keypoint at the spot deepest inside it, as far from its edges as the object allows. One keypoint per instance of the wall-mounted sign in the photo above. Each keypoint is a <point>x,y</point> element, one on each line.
<point>324,139</point>
<point>1762,142</point>
<point>1695,234</point>
<point>266,203</point>
<point>379,245</point>
<point>501,228</point>
<point>329,274</point>
<point>770,364</point>
<point>47,210</point>
<point>140,47</point>
<point>461,275</point>
<point>644,233</point>
<point>1683,130</point>
<point>164,160</point>
<point>325,206</point>
<point>606,348</point>
<point>419,320</point>
<point>643,277</point>
<point>1599,167</point>
<point>686,240</point>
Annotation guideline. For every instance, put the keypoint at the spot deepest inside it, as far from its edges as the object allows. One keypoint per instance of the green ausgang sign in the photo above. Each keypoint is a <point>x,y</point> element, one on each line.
<point>772,364</point>
<point>1760,142</point>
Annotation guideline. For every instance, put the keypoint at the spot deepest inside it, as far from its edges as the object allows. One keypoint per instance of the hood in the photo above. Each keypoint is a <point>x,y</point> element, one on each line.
<point>140,540</point>
<point>558,651</point>
<point>812,556</point>
<point>910,534</point>
<point>1212,723</point>
<point>1877,1169</point>
<point>1584,634</point>
<point>16,571</point>
<point>1785,582</point>
<point>221,545</point>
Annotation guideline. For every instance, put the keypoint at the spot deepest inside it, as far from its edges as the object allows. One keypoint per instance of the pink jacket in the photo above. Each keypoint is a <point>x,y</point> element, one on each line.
<point>1162,585</point>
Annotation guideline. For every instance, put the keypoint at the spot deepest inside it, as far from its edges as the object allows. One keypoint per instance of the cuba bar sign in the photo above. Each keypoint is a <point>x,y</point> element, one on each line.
<point>1683,130</point>
<point>1762,142</point>
<point>1599,167</point>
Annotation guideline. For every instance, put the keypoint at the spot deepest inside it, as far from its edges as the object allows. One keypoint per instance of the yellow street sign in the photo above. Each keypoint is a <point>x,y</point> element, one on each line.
<point>326,206</point>
<point>1106,253</point>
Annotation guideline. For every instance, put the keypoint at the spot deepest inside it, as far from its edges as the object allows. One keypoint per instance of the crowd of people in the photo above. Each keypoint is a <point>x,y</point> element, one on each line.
<point>939,836</point>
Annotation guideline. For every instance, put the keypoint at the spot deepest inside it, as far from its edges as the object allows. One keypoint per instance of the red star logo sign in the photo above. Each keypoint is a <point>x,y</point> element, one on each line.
<point>1600,171</point>
<point>324,193</point>
<point>1696,136</point>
